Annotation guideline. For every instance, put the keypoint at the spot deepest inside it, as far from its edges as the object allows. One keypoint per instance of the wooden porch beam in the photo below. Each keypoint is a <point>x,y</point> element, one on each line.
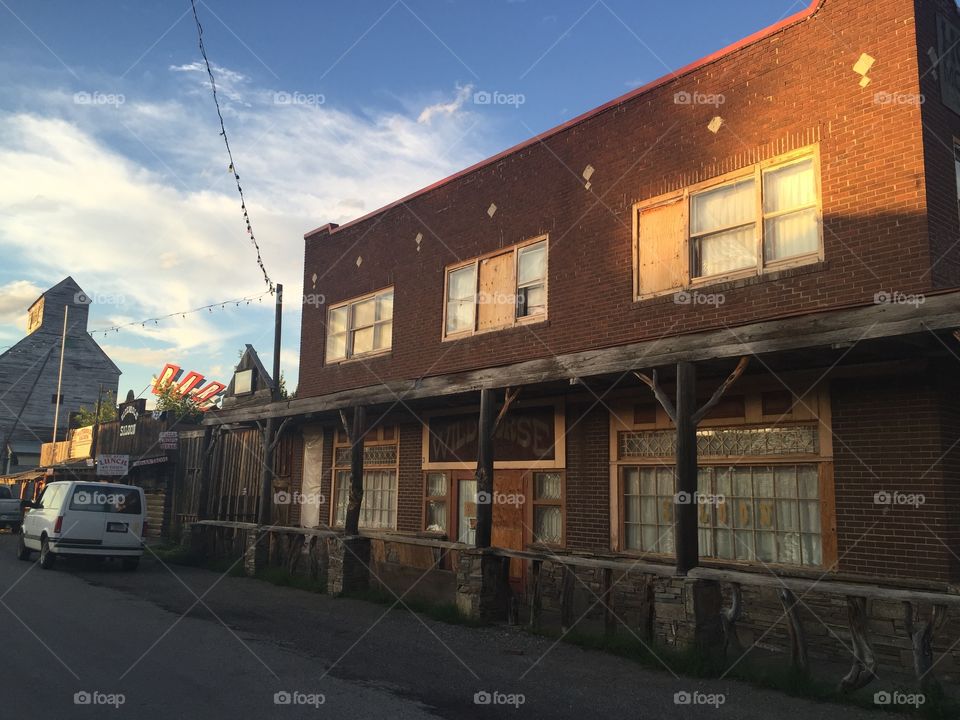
<point>940,312</point>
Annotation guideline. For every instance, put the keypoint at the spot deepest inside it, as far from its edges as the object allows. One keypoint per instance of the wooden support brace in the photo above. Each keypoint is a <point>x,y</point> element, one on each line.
<point>721,391</point>
<point>798,639</point>
<point>277,435</point>
<point>654,384</point>
<point>728,620</point>
<point>864,661</point>
<point>921,639</point>
<point>508,399</point>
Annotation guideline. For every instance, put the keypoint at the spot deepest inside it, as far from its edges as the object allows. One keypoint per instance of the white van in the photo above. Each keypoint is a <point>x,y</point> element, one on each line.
<point>85,518</point>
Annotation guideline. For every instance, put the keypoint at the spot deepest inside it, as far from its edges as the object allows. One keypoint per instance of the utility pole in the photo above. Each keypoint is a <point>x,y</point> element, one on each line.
<point>63,347</point>
<point>96,424</point>
<point>266,479</point>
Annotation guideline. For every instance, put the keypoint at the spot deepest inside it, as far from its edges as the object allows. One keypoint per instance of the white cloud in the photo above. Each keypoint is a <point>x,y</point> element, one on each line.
<point>15,298</point>
<point>135,202</point>
<point>447,108</point>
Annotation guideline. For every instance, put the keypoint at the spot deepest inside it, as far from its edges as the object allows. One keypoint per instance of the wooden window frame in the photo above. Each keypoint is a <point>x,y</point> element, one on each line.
<point>375,436</point>
<point>761,266</point>
<point>350,356</point>
<point>531,484</point>
<point>447,499</point>
<point>452,499</point>
<point>815,407</point>
<point>513,250</point>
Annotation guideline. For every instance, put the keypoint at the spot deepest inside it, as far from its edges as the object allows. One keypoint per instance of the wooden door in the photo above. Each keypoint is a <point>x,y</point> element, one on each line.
<point>509,511</point>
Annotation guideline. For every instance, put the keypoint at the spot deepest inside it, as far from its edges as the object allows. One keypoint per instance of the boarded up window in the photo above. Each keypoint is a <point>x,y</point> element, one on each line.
<point>661,249</point>
<point>496,300</point>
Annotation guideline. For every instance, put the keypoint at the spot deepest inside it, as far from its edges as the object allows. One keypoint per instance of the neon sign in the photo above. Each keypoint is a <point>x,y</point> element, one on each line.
<point>192,384</point>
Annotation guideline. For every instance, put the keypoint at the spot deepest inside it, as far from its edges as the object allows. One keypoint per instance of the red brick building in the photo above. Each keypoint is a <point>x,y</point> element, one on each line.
<point>792,199</point>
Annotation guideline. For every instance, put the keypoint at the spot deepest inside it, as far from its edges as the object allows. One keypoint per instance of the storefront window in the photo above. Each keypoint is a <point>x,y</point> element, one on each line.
<point>380,457</point>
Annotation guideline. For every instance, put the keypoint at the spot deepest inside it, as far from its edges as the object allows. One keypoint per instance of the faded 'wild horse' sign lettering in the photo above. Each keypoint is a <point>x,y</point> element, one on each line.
<point>523,435</point>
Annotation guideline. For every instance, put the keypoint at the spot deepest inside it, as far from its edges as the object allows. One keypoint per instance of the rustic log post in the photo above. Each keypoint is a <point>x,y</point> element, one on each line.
<point>729,617</point>
<point>355,435</point>
<point>686,416</point>
<point>485,470</point>
<point>921,639</point>
<point>536,594</point>
<point>609,615</point>
<point>798,640</point>
<point>266,475</point>
<point>566,599</point>
<point>685,528</point>
<point>864,661</point>
<point>509,599</point>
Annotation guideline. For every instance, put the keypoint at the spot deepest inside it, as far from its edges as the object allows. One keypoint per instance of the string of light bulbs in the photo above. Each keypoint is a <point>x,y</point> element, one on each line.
<point>183,313</point>
<point>233,167</point>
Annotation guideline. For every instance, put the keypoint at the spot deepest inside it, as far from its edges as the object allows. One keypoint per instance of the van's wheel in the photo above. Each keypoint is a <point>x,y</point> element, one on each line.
<point>130,564</point>
<point>23,552</point>
<point>46,555</point>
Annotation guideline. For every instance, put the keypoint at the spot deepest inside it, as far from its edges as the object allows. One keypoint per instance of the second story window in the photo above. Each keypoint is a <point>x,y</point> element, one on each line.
<point>496,291</point>
<point>723,224</point>
<point>359,327</point>
<point>762,218</point>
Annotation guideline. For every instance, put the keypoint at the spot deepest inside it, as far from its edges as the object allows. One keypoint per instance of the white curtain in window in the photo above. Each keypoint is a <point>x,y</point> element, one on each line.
<point>461,299</point>
<point>722,208</point>
<point>790,196</point>
<point>724,221</point>
<point>727,251</point>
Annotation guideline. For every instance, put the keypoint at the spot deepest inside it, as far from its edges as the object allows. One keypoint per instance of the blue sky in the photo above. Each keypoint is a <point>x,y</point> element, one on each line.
<point>113,170</point>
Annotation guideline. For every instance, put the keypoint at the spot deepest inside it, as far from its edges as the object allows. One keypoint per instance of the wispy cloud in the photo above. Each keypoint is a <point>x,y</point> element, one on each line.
<point>446,108</point>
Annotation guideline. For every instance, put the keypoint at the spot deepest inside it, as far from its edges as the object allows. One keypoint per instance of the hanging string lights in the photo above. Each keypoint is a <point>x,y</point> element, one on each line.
<point>232,168</point>
<point>222,305</point>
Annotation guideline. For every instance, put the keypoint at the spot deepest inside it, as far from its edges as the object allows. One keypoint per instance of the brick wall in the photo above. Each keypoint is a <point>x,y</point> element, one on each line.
<point>791,89</point>
<point>888,436</point>
<point>588,473</point>
<point>410,478</point>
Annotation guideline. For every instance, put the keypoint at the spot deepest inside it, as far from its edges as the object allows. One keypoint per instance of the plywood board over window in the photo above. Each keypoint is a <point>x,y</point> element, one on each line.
<point>661,248</point>
<point>496,302</point>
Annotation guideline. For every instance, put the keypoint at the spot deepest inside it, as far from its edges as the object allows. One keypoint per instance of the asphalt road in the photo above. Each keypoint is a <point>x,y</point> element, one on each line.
<point>141,645</point>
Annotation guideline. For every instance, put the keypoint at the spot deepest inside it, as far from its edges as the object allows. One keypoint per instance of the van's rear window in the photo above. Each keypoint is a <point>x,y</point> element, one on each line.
<point>97,498</point>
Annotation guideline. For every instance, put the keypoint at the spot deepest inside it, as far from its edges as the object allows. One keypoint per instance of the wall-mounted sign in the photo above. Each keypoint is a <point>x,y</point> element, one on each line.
<point>129,414</point>
<point>169,440</point>
<point>191,383</point>
<point>113,465</point>
<point>523,435</point>
<point>948,67</point>
<point>158,460</point>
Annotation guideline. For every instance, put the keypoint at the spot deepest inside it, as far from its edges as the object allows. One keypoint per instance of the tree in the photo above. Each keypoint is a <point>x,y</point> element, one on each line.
<point>108,412</point>
<point>183,406</point>
<point>283,394</point>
